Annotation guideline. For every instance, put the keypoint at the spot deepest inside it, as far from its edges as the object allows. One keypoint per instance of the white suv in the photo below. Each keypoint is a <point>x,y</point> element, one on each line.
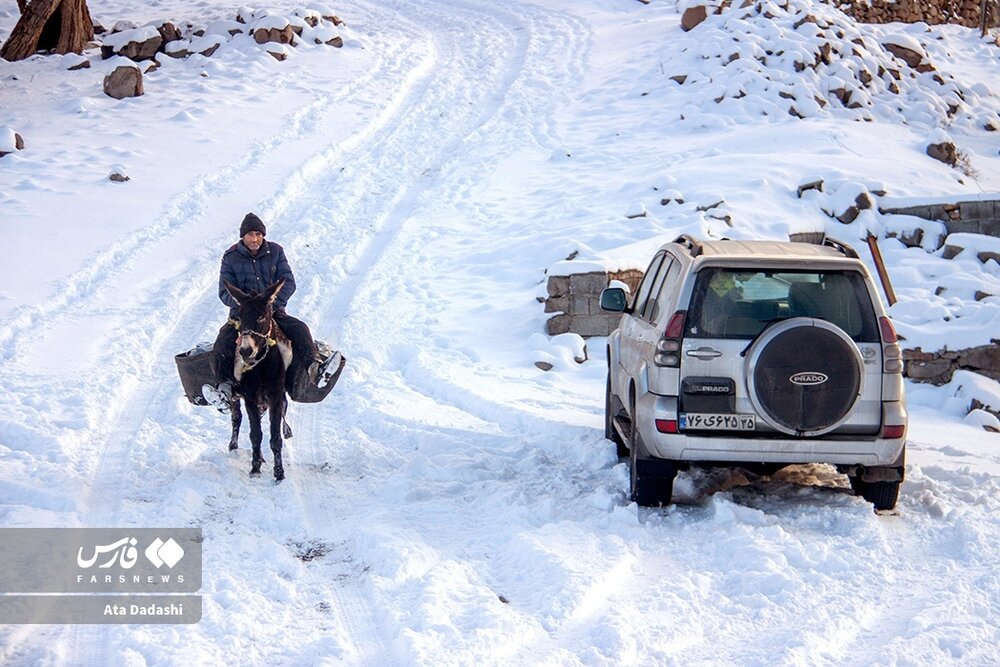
<point>758,354</point>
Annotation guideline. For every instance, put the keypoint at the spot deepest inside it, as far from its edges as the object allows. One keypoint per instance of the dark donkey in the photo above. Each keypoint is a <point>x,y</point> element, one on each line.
<point>263,353</point>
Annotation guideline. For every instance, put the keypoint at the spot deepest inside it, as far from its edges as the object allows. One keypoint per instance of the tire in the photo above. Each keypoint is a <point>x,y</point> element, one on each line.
<point>805,376</point>
<point>883,495</point>
<point>651,481</point>
<point>612,408</point>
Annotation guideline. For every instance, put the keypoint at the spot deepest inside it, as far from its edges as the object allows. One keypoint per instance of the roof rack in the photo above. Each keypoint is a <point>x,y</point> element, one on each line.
<point>840,247</point>
<point>692,244</point>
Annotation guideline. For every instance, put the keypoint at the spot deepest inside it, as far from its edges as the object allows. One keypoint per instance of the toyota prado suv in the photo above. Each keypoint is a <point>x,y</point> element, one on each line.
<point>757,354</point>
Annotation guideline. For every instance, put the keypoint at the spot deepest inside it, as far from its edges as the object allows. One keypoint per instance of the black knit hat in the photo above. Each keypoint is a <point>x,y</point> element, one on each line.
<point>251,223</point>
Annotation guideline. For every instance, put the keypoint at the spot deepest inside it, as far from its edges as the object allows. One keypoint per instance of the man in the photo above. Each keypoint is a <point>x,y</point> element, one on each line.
<point>253,264</point>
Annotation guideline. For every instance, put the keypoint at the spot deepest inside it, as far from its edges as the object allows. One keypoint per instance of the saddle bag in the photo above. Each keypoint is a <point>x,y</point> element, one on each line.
<point>195,370</point>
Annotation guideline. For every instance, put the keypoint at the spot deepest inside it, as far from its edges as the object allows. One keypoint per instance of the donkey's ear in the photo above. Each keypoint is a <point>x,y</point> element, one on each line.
<point>236,292</point>
<point>272,291</point>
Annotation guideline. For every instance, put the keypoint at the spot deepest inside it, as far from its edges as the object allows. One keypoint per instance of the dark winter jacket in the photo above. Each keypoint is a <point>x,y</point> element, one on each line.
<point>255,274</point>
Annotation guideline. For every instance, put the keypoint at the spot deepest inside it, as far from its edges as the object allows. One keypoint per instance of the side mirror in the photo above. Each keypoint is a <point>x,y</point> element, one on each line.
<point>614,299</point>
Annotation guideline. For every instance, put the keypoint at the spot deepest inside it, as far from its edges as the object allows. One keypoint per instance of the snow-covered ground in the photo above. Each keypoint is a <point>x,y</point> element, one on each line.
<point>451,503</point>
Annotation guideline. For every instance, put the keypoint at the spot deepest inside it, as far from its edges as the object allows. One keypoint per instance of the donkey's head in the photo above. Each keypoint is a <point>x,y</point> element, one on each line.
<point>254,323</point>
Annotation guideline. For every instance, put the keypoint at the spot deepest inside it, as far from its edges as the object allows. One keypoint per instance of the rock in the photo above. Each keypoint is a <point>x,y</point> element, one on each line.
<point>328,36</point>
<point>636,210</point>
<point>169,32</point>
<point>944,152</point>
<point>10,141</point>
<point>118,175</point>
<point>124,81</point>
<point>692,17</point>
<point>558,285</point>
<point>281,36</point>
<point>178,49</point>
<point>206,45</point>
<point>543,365</point>
<point>935,371</point>
<point>981,357</point>
<point>679,78</point>
<point>559,324</point>
<point>811,185</point>
<point>138,44</point>
<point>908,56</point>
<point>83,64</point>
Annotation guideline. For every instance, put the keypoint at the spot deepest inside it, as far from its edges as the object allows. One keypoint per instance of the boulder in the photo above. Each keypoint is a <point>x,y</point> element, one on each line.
<point>138,44</point>
<point>281,36</point>
<point>908,56</point>
<point>124,81</point>
<point>692,16</point>
<point>945,152</point>
<point>273,29</point>
<point>169,32</point>
<point>10,141</point>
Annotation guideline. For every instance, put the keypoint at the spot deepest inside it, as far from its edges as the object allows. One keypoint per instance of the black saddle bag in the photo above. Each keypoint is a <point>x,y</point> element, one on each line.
<point>195,370</point>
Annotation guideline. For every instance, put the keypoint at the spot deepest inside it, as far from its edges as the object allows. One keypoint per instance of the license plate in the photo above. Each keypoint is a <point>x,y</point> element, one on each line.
<point>717,422</point>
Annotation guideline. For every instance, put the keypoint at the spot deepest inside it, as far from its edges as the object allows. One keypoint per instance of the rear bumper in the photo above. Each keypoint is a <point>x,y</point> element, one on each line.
<point>732,447</point>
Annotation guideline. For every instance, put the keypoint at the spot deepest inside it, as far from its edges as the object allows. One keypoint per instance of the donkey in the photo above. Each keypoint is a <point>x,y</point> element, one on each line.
<point>263,354</point>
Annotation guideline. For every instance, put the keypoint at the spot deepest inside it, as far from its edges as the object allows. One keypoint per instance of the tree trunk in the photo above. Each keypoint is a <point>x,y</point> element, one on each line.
<point>64,25</point>
<point>77,27</point>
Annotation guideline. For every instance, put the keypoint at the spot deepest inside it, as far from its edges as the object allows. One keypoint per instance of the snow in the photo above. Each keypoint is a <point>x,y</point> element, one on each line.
<point>140,35</point>
<point>450,502</point>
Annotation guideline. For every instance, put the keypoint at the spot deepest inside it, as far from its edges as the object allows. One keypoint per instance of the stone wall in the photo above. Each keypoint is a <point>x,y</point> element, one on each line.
<point>938,367</point>
<point>976,216</point>
<point>960,12</point>
<point>576,299</point>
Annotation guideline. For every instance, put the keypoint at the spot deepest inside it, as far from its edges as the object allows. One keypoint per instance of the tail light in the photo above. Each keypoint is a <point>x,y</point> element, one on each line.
<point>666,425</point>
<point>893,431</point>
<point>892,355</point>
<point>668,348</point>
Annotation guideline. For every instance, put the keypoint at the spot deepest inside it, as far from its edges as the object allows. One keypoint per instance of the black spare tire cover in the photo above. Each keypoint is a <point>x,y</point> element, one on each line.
<point>804,376</point>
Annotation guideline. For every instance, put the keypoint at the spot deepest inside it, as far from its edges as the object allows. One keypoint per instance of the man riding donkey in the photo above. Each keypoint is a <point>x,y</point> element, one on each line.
<point>252,265</point>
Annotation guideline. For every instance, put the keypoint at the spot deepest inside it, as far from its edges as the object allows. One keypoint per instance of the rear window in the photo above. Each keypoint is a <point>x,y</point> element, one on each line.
<point>740,304</point>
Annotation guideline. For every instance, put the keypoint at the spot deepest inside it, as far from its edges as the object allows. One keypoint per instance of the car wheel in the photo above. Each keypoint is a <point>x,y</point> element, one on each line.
<point>651,481</point>
<point>883,495</point>
<point>613,408</point>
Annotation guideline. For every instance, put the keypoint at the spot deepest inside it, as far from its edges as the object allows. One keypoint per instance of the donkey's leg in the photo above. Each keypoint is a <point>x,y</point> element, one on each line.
<point>256,435</point>
<point>236,415</point>
<point>277,417</point>
<point>285,428</point>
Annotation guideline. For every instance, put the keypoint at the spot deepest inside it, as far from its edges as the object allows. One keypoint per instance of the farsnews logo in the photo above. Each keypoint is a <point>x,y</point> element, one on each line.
<point>124,552</point>
<point>162,553</point>
<point>808,378</point>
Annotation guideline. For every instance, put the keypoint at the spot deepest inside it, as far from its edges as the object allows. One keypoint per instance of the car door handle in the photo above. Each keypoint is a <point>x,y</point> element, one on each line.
<point>704,353</point>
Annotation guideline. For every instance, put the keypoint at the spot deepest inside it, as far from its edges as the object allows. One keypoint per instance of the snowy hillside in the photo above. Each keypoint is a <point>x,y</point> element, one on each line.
<point>450,503</point>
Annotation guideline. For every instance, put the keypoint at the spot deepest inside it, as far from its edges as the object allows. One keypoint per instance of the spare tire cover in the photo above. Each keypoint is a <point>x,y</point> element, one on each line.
<point>804,376</point>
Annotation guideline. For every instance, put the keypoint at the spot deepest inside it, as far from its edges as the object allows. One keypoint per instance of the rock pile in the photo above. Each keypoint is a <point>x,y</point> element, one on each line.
<point>793,57</point>
<point>315,25</point>
<point>933,12</point>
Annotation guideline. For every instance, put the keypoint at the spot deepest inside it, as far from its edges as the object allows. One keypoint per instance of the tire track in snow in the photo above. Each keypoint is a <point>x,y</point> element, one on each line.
<point>149,382</point>
<point>185,209</point>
